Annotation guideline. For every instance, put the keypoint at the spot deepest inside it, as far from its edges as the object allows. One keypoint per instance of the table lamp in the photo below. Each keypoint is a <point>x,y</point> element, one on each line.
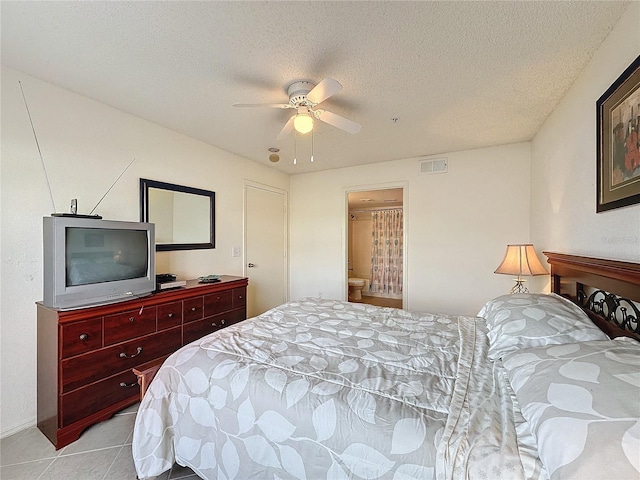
<point>521,260</point>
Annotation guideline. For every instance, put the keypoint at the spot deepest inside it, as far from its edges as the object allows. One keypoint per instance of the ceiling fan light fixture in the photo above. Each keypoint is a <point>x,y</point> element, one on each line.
<point>303,123</point>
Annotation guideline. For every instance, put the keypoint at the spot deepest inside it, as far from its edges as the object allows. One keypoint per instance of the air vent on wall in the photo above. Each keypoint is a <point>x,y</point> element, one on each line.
<point>434,165</point>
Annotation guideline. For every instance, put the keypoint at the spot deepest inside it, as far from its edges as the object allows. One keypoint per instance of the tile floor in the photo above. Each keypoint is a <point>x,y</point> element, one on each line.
<point>103,452</point>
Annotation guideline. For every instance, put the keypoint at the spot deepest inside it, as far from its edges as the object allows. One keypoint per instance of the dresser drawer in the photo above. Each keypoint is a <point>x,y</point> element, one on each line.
<point>192,309</point>
<point>217,303</point>
<point>239,297</point>
<point>84,401</point>
<point>169,315</point>
<point>128,325</point>
<point>228,318</point>
<point>81,370</point>
<point>80,337</point>
<point>195,330</point>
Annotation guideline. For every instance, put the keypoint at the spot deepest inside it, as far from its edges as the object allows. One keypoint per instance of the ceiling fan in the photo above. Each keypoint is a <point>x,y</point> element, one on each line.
<point>304,97</point>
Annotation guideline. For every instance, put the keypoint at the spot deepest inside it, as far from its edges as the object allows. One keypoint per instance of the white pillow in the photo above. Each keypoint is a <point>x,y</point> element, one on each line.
<point>582,404</point>
<point>533,319</point>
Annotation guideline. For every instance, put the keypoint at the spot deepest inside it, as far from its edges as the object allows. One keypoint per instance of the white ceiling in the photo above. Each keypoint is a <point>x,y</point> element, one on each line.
<point>456,75</point>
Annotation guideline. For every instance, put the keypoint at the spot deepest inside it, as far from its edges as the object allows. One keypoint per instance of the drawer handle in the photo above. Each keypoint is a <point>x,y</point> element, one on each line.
<point>214,324</point>
<point>170,315</point>
<point>128,385</point>
<point>84,337</point>
<point>193,309</point>
<point>138,352</point>
<point>222,321</point>
<point>132,319</point>
<point>240,297</point>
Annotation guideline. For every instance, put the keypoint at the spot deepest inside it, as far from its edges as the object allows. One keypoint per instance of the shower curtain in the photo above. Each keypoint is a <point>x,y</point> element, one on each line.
<point>386,253</point>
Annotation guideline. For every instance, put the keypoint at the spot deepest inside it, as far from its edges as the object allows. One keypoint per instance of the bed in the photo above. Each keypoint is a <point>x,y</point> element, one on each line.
<point>531,388</point>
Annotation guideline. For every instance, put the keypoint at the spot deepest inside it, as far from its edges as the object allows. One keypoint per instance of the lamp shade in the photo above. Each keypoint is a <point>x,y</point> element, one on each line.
<point>521,260</point>
<point>303,123</point>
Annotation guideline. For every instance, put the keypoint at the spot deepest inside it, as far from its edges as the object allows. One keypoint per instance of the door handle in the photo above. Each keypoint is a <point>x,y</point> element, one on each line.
<point>251,265</point>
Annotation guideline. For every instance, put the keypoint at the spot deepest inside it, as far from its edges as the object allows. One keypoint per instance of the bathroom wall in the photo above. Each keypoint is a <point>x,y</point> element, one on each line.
<point>360,247</point>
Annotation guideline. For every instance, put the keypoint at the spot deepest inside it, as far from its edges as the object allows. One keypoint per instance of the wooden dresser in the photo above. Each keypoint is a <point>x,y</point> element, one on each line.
<point>85,356</point>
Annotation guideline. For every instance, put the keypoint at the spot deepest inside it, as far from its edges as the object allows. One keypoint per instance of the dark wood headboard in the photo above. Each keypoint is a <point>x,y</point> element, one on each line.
<point>606,289</point>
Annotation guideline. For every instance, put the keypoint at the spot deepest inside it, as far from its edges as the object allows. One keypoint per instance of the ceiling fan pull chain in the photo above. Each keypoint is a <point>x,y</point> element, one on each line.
<point>295,147</point>
<point>311,146</point>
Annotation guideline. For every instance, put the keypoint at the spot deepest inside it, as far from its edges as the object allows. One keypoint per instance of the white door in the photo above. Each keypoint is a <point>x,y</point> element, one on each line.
<point>265,248</point>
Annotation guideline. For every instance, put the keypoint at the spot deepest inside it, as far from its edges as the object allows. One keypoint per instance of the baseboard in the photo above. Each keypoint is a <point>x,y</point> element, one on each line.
<point>19,428</point>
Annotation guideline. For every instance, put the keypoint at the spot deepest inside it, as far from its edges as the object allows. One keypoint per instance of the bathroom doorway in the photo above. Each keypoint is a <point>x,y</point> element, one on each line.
<point>375,247</point>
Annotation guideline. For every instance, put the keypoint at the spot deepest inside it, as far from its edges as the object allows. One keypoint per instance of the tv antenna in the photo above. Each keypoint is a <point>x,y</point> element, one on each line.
<point>38,145</point>
<point>74,201</point>
<point>112,185</point>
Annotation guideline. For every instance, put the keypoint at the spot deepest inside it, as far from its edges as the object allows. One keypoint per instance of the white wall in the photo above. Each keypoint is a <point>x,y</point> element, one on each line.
<point>86,145</point>
<point>360,241</point>
<point>457,226</point>
<point>563,213</point>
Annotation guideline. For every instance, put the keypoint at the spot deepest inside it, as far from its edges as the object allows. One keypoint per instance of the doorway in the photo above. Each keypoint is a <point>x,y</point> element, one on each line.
<point>375,246</point>
<point>265,248</point>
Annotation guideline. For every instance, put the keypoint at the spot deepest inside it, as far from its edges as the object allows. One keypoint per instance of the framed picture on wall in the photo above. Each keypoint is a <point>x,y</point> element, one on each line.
<point>618,142</point>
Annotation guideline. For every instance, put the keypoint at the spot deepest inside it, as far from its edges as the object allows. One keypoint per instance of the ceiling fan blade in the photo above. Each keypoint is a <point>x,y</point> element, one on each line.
<point>326,88</point>
<point>287,129</point>
<point>337,121</point>
<point>272,105</point>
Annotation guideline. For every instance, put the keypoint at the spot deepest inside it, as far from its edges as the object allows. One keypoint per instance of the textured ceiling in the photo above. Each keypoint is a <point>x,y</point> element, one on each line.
<point>455,75</point>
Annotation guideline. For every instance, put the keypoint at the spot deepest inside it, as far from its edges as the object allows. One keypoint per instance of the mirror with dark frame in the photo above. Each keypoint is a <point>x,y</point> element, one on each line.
<point>184,216</point>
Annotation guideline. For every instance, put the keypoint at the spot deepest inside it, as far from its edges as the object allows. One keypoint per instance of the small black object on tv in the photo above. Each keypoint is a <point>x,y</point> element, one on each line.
<point>75,215</point>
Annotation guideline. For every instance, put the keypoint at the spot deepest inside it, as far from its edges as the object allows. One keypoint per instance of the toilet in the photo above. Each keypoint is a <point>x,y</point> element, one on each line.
<point>355,288</point>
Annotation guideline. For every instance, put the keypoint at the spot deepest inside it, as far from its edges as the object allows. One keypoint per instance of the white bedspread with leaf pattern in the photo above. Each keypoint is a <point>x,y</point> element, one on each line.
<point>322,389</point>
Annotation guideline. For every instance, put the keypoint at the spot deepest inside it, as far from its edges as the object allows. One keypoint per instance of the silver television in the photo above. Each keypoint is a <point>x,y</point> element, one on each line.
<point>89,261</point>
